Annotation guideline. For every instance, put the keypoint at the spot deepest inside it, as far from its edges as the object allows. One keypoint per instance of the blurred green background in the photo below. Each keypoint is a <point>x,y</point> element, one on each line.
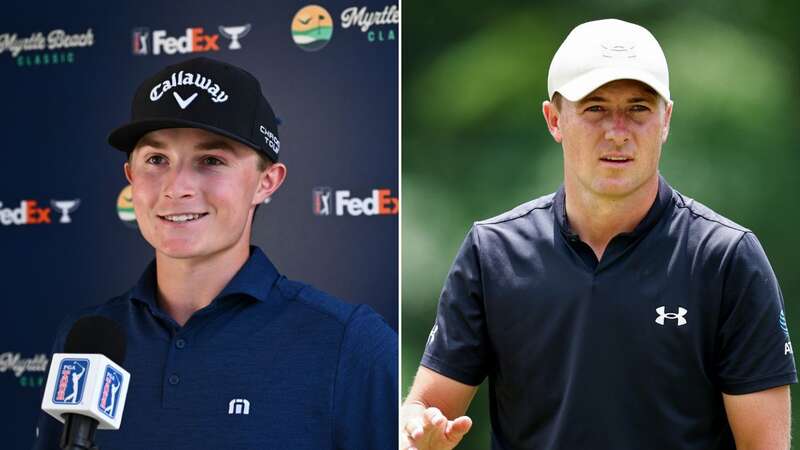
<point>475,144</point>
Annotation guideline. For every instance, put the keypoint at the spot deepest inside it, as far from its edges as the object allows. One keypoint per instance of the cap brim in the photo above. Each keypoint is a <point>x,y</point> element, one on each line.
<point>584,85</point>
<point>125,137</point>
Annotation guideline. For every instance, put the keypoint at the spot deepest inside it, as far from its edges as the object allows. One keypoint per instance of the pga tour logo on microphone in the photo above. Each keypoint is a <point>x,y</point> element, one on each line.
<point>70,382</point>
<point>109,392</point>
<point>88,384</point>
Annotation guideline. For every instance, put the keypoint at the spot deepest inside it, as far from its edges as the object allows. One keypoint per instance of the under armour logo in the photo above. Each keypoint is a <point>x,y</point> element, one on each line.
<point>239,406</point>
<point>618,49</point>
<point>671,316</point>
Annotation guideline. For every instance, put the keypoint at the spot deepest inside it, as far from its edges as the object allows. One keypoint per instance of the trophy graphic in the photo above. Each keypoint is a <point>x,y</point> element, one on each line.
<point>234,33</point>
<point>66,207</point>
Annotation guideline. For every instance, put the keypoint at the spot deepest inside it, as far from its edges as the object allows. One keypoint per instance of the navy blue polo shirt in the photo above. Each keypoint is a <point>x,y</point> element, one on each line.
<point>630,352</point>
<point>269,364</point>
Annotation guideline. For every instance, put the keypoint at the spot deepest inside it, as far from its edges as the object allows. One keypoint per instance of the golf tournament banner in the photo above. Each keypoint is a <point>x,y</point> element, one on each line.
<point>68,230</point>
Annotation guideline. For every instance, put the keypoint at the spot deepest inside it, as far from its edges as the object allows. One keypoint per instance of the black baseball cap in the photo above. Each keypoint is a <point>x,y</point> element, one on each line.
<point>202,93</point>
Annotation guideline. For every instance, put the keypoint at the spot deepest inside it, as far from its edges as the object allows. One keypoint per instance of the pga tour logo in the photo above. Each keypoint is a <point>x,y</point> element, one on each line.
<point>70,381</point>
<point>326,202</point>
<point>109,393</point>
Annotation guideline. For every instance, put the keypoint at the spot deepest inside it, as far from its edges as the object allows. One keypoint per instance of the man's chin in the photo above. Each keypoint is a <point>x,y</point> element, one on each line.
<point>181,250</point>
<point>615,187</point>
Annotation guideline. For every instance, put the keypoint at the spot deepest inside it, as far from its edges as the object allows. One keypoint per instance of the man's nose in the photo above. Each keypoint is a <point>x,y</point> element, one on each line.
<point>617,128</point>
<point>180,182</point>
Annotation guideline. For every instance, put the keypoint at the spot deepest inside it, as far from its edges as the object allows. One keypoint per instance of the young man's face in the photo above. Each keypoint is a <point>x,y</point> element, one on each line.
<point>194,191</point>
<point>612,137</point>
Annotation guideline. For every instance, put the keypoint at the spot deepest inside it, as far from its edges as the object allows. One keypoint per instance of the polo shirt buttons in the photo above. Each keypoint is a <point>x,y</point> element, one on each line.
<point>180,343</point>
<point>174,379</point>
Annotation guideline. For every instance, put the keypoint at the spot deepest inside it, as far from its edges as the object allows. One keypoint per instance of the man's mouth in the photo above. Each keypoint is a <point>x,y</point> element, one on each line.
<point>182,218</point>
<point>616,159</point>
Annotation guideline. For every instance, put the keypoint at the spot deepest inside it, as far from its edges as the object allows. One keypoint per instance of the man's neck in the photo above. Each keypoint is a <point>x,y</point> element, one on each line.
<point>189,285</point>
<point>597,219</point>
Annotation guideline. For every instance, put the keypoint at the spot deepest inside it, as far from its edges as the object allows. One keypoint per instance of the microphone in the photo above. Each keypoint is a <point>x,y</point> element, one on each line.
<point>86,386</point>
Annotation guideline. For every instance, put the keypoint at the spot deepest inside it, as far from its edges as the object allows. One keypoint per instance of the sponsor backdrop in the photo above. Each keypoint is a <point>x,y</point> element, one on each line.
<point>67,228</point>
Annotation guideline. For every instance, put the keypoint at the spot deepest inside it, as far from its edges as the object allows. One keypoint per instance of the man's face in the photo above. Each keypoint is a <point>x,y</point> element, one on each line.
<point>194,191</point>
<point>612,137</point>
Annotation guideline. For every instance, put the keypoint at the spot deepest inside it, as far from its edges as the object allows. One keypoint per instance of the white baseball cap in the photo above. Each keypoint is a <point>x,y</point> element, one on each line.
<point>595,53</point>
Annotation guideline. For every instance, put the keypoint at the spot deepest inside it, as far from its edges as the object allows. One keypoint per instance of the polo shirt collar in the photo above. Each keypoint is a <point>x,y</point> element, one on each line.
<point>663,199</point>
<point>254,279</point>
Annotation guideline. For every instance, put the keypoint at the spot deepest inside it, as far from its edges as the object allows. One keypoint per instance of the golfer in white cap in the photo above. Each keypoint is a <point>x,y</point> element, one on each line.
<point>615,313</point>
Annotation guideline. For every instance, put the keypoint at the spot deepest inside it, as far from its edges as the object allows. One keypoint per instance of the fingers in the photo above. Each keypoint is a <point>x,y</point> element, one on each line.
<point>456,429</point>
<point>434,416</point>
<point>432,430</point>
<point>415,428</point>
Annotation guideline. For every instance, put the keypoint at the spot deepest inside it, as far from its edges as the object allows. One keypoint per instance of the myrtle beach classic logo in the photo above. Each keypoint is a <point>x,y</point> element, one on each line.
<point>312,28</point>
<point>36,49</point>
<point>376,25</point>
<point>125,207</point>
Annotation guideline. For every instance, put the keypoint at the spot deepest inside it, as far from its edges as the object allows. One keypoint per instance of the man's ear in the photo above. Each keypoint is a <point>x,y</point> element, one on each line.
<point>269,181</point>
<point>128,173</point>
<point>667,118</point>
<point>551,117</point>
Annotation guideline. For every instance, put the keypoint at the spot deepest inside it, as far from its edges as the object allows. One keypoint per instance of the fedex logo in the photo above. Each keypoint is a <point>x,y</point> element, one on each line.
<point>109,393</point>
<point>340,202</point>
<point>71,381</point>
<point>28,213</point>
<point>193,41</point>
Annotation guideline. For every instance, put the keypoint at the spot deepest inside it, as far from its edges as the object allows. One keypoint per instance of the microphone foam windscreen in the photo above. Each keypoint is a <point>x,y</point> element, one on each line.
<point>97,334</point>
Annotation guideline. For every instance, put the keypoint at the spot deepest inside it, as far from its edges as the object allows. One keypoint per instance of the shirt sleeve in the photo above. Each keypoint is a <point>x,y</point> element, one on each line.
<point>366,389</point>
<point>754,351</point>
<point>457,346</point>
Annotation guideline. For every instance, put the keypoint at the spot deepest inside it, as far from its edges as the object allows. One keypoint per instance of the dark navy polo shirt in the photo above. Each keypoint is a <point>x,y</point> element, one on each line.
<point>629,352</point>
<point>269,364</point>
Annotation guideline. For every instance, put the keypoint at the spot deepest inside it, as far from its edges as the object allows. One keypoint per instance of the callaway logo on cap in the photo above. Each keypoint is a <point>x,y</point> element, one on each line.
<point>202,93</point>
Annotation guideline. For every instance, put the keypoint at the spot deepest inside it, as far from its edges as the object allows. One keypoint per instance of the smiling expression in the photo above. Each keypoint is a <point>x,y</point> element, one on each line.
<point>194,192</point>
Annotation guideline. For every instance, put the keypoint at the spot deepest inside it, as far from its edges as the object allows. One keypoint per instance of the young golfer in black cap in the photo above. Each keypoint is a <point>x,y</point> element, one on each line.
<point>223,351</point>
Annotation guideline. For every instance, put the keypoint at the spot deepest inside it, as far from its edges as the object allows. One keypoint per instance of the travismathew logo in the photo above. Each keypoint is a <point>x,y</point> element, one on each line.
<point>188,79</point>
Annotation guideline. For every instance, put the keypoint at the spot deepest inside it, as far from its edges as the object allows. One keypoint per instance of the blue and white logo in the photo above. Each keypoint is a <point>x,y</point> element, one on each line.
<point>782,323</point>
<point>109,392</point>
<point>70,381</point>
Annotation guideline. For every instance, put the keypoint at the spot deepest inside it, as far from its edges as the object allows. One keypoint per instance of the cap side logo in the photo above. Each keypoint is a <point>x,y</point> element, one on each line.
<point>270,139</point>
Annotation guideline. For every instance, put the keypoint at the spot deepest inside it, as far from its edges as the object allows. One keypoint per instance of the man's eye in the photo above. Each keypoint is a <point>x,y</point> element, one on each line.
<point>155,159</point>
<point>639,108</point>
<point>595,108</point>
<point>212,161</point>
